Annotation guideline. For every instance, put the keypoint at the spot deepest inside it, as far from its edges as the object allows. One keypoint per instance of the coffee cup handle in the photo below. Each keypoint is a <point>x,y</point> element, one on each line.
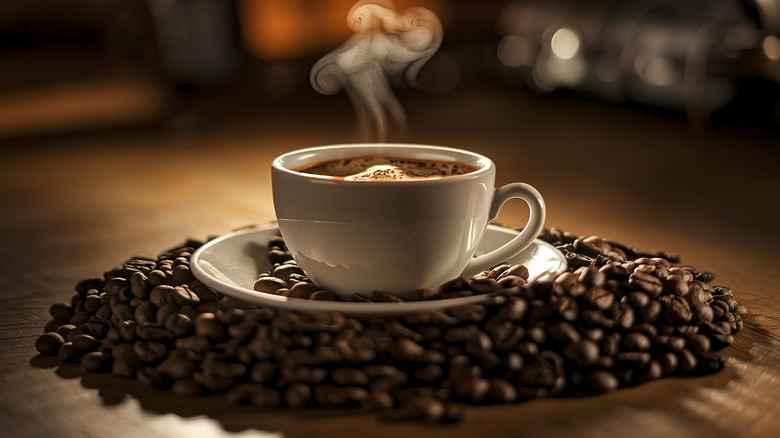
<point>518,243</point>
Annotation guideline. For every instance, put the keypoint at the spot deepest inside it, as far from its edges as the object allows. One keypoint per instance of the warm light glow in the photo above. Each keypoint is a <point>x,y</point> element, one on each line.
<point>771,46</point>
<point>655,70</point>
<point>565,43</point>
<point>514,51</point>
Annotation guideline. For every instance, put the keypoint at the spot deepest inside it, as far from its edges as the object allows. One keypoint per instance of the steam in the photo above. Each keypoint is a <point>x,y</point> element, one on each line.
<point>387,48</point>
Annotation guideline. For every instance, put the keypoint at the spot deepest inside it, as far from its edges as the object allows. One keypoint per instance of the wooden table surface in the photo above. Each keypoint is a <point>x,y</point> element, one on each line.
<point>74,206</point>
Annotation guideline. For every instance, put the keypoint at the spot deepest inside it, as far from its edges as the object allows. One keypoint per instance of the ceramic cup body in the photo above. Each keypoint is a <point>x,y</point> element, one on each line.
<point>394,236</point>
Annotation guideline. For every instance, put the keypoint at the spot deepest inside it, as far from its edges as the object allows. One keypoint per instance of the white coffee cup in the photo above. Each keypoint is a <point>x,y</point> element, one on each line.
<point>394,236</point>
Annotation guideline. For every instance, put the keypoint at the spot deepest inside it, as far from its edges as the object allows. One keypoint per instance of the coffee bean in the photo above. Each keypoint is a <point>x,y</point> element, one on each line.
<point>297,395</point>
<point>676,310</point>
<point>600,382</point>
<point>422,408</point>
<point>501,391</point>
<point>636,342</point>
<point>652,311</point>
<point>645,282</point>
<point>568,284</point>
<point>49,343</point>
<point>207,325</point>
<point>270,285</point>
<point>85,342</point>
<point>473,389</point>
<point>591,276</point>
<point>638,299</point>
<point>516,270</point>
<point>583,352</point>
<point>698,344</point>
<point>687,360</point>
<point>95,361</point>
<point>599,298</point>
<point>64,330</point>
<point>323,295</point>
<point>564,332</point>
<point>68,352</point>
<point>514,310</point>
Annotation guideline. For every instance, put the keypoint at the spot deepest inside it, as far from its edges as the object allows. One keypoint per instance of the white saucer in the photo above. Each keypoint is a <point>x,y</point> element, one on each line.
<point>231,264</point>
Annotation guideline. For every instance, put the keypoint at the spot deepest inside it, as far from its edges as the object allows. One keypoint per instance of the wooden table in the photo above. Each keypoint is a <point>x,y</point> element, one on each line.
<point>74,206</point>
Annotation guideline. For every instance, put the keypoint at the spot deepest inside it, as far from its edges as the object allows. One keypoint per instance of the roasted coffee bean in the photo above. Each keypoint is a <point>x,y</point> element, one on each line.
<point>49,343</point>
<point>669,362</point>
<point>516,270</point>
<point>591,276</point>
<point>270,285</point>
<point>323,295</point>
<point>79,318</point>
<point>278,256</point>
<point>676,310</point>
<point>638,299</point>
<point>207,325</point>
<point>301,290</point>
<point>349,376</point>
<point>583,352</point>
<point>69,352</point>
<point>91,304</point>
<point>599,298</point>
<point>564,332</point>
<point>652,311</point>
<point>652,371</point>
<point>177,367</point>
<point>95,361</point>
<point>514,310</point>
<point>673,343</point>
<point>636,342</point>
<point>634,358</point>
<point>481,284</point>
<point>422,408</point>
<point>153,332</point>
<point>149,351</point>
<point>473,389</point>
<point>687,360</point>
<point>85,342</point>
<point>327,395</point>
<point>568,284</point>
<point>675,285</point>
<point>698,344</point>
<point>297,395</point>
<point>600,382</point>
<point>501,391</point>
<point>645,282</point>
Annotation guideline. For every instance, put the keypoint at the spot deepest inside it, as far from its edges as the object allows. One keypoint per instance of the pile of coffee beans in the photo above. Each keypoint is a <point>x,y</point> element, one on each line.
<point>616,318</point>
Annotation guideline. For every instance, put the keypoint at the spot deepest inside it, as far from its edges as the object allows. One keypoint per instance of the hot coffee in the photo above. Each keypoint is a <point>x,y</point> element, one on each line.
<point>379,168</point>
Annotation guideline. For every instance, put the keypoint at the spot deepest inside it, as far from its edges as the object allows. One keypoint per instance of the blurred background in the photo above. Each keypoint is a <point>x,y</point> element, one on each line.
<point>176,65</point>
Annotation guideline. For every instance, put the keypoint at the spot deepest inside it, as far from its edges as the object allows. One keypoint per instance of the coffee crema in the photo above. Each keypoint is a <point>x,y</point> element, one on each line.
<point>380,168</point>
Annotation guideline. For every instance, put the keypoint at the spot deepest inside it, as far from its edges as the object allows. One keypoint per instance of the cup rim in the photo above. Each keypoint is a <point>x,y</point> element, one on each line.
<point>483,163</point>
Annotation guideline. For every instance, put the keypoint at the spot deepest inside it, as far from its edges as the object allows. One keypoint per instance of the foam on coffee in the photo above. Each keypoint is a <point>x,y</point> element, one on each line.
<point>377,168</point>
